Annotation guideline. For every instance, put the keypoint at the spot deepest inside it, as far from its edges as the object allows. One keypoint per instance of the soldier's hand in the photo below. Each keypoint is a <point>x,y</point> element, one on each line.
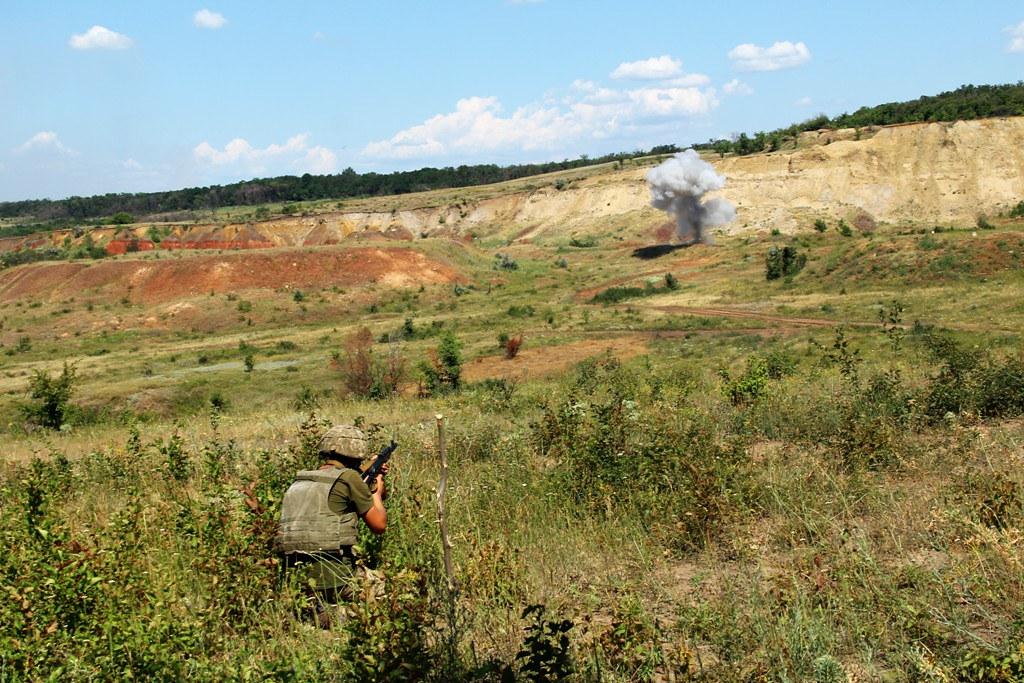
<point>379,489</point>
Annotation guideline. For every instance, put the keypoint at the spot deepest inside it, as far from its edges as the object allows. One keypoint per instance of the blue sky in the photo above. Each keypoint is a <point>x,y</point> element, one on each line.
<point>136,96</point>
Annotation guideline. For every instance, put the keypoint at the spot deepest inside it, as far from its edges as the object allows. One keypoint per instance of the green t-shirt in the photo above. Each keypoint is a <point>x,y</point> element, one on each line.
<point>350,493</point>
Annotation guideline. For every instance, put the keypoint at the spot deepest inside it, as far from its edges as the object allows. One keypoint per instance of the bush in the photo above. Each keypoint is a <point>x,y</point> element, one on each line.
<point>820,225</point>
<point>512,345</point>
<point>505,262</point>
<point>49,398</point>
<point>585,242</point>
<point>844,229</point>
<point>1018,210</point>
<point>122,218</point>
<point>442,373</point>
<point>671,283</point>
<point>783,262</point>
<point>983,223</point>
<point>366,375</point>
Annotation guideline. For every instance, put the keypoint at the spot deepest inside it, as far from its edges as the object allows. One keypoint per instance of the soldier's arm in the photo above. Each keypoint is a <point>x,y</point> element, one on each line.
<point>377,517</point>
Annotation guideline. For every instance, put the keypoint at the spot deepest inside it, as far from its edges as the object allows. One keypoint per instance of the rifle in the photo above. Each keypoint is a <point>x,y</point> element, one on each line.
<point>370,475</point>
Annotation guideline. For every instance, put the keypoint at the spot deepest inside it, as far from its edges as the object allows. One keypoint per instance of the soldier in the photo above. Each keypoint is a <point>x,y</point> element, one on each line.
<point>318,518</point>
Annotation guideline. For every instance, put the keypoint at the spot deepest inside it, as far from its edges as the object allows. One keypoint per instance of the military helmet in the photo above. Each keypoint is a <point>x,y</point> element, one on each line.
<point>344,440</point>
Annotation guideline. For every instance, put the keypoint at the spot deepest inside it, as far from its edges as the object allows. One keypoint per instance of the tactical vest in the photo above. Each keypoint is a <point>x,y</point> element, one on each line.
<point>307,523</point>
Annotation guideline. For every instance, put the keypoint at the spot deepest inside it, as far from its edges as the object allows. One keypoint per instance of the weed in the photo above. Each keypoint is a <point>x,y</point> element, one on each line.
<point>545,655</point>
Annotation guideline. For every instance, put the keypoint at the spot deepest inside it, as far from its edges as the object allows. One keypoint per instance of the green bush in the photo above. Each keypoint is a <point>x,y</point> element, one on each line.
<point>784,262</point>
<point>442,373</point>
<point>49,403</point>
<point>505,262</point>
<point>585,242</point>
<point>820,225</point>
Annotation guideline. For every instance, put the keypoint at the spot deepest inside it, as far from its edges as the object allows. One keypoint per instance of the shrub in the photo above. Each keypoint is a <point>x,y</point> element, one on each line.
<point>298,296</point>
<point>585,242</point>
<point>783,262</point>
<point>545,656</point>
<point>249,362</point>
<point>442,373</point>
<point>512,346</point>
<point>820,225</point>
<point>366,375</point>
<point>844,229</point>
<point>1018,210</point>
<point>505,262</point>
<point>671,283</point>
<point>983,223</point>
<point>49,398</point>
<point>306,400</point>
<point>122,218</point>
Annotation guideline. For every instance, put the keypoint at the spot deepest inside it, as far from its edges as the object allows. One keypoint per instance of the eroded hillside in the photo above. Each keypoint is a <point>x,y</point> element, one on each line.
<point>916,174</point>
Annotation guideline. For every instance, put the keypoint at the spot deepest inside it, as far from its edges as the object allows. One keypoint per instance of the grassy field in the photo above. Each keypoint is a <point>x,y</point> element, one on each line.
<point>816,478</point>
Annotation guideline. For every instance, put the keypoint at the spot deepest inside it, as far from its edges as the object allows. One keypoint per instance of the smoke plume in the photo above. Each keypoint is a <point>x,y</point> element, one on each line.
<point>678,186</point>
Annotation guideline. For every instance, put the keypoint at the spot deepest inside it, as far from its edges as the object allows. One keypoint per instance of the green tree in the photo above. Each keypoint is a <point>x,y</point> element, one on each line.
<point>49,398</point>
<point>783,262</point>
<point>442,374</point>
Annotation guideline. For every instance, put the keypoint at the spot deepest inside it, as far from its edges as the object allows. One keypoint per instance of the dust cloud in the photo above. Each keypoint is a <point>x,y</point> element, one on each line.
<point>678,186</point>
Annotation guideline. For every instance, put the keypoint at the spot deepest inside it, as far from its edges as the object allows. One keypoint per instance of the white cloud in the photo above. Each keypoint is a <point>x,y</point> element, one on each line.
<point>672,101</point>
<point>205,18</point>
<point>478,124</point>
<point>649,69</point>
<point>804,102</point>
<point>781,55</point>
<point>737,87</point>
<point>295,154</point>
<point>131,165</point>
<point>44,140</point>
<point>320,160</point>
<point>1016,37</point>
<point>100,38</point>
<point>688,81</point>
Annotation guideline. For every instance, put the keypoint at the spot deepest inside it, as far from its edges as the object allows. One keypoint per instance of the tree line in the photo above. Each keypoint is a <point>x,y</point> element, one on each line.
<point>965,103</point>
<point>47,213</point>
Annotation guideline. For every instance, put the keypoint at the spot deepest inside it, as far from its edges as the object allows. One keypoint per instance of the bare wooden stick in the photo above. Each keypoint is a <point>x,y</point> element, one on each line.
<point>442,521</point>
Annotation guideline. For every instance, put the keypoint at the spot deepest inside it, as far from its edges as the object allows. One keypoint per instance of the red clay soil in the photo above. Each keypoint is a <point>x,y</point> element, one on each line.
<point>155,281</point>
